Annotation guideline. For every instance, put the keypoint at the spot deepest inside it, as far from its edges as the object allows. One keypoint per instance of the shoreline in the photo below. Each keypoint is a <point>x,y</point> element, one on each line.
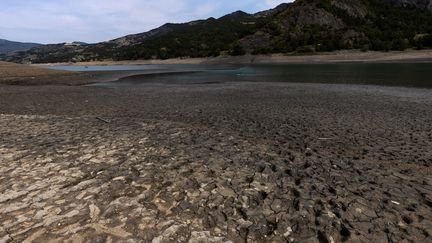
<point>19,74</point>
<point>35,75</point>
<point>409,56</point>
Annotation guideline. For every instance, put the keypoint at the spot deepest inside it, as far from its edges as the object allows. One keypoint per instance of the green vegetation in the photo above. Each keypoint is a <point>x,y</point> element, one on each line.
<point>201,39</point>
<point>395,28</point>
<point>384,28</point>
<point>424,41</point>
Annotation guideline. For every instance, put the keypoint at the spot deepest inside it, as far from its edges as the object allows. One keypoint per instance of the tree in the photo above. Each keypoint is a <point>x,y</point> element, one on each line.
<point>237,50</point>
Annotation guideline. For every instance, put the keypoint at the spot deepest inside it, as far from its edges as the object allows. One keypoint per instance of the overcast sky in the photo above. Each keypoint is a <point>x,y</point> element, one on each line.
<point>55,21</point>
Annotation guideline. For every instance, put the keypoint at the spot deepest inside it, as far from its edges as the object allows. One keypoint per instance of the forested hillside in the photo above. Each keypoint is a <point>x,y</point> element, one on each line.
<point>305,26</point>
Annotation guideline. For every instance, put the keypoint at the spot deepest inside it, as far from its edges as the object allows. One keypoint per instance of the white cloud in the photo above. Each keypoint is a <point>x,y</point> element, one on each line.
<point>52,21</point>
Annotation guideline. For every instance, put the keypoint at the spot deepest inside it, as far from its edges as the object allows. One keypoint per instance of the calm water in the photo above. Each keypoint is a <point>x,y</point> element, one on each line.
<point>389,74</point>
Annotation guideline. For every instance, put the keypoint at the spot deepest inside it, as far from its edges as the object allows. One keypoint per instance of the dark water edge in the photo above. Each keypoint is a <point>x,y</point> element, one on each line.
<point>385,74</point>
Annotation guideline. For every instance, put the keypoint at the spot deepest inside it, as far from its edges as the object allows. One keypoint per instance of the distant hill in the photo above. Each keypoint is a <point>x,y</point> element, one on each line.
<point>8,46</point>
<point>305,26</point>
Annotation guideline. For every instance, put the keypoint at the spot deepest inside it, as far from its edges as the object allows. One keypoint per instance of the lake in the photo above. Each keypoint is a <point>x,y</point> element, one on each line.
<point>387,74</point>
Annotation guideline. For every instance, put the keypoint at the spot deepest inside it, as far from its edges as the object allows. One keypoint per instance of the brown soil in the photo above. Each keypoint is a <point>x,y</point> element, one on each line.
<point>19,74</point>
<point>11,73</point>
<point>261,162</point>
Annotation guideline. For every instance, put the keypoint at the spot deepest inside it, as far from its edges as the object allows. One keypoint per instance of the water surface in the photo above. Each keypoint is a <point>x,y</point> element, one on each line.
<point>387,74</point>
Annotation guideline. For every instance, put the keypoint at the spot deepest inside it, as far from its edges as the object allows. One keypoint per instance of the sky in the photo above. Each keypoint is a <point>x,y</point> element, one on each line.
<point>57,21</point>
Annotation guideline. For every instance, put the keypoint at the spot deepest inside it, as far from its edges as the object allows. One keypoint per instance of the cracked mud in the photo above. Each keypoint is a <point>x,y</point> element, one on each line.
<point>216,163</point>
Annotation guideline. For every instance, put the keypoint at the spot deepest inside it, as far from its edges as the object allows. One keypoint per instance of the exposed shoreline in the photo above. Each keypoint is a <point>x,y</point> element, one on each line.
<point>216,163</point>
<point>21,74</point>
<point>38,74</point>
<point>331,57</point>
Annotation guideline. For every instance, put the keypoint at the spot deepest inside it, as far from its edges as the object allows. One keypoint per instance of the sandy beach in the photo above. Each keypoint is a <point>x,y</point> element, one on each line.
<point>224,162</point>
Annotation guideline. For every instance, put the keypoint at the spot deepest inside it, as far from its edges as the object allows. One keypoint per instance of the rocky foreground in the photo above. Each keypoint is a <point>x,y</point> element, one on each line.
<point>216,163</point>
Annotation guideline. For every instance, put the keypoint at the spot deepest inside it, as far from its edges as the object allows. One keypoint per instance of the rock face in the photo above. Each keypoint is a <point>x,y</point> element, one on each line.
<point>353,8</point>
<point>136,39</point>
<point>297,17</point>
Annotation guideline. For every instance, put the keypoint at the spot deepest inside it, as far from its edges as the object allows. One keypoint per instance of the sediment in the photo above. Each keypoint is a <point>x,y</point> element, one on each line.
<point>223,162</point>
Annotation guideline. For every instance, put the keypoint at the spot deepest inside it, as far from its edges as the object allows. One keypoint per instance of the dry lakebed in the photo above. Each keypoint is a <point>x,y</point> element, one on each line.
<point>215,162</point>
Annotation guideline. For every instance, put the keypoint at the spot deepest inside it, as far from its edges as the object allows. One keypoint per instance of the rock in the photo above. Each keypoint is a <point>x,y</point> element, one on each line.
<point>244,224</point>
<point>5,239</point>
<point>94,212</point>
<point>167,234</point>
<point>276,206</point>
<point>288,232</point>
<point>205,237</point>
<point>119,178</point>
<point>116,231</point>
<point>34,236</point>
<point>226,192</point>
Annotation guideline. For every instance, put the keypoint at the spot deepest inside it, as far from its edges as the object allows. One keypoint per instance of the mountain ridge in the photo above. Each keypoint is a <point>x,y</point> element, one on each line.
<point>8,46</point>
<point>301,26</point>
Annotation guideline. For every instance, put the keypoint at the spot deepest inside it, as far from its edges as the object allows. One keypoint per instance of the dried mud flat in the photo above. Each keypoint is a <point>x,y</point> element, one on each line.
<point>12,73</point>
<point>20,74</point>
<point>215,163</point>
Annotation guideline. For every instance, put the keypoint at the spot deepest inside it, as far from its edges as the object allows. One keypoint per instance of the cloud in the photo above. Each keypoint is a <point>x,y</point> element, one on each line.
<point>53,21</point>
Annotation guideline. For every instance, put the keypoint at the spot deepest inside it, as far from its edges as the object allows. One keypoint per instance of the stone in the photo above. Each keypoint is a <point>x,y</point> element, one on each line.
<point>244,224</point>
<point>94,212</point>
<point>5,239</point>
<point>116,231</point>
<point>288,232</point>
<point>276,206</point>
<point>226,192</point>
<point>205,237</point>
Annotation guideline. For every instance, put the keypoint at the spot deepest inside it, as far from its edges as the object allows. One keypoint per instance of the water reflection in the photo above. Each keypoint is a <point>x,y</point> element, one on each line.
<point>392,74</point>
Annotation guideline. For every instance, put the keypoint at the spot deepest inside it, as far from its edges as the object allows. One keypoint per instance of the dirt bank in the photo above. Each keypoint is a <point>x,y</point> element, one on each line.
<point>330,57</point>
<point>19,74</point>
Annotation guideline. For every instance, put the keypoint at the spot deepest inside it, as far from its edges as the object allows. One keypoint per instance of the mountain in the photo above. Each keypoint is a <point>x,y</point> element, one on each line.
<point>8,46</point>
<point>327,25</point>
<point>197,38</point>
<point>419,4</point>
<point>300,27</point>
